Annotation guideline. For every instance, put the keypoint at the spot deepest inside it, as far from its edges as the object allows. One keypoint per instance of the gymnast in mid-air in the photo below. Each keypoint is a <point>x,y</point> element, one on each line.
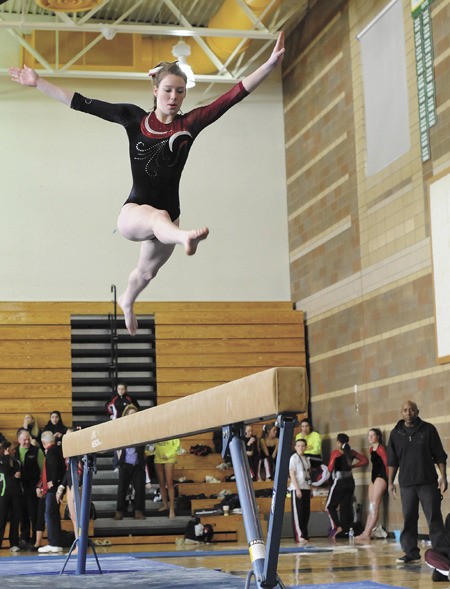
<point>159,144</point>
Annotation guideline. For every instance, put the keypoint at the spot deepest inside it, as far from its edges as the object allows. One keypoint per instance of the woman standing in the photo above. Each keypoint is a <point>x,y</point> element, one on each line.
<point>378,484</point>
<point>165,460</point>
<point>159,144</point>
<point>300,488</point>
<point>341,493</point>
<point>131,472</point>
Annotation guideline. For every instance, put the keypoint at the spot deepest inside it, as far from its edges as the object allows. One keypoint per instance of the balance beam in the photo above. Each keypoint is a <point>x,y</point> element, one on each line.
<point>257,397</point>
<point>279,393</point>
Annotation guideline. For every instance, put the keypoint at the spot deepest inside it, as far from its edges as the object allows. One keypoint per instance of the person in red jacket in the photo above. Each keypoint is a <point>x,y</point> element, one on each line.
<point>343,486</point>
<point>118,402</point>
<point>52,476</point>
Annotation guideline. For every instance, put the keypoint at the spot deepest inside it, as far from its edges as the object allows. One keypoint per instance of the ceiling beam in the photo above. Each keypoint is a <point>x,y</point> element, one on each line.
<point>91,13</point>
<point>150,30</point>
<point>202,44</point>
<point>114,75</point>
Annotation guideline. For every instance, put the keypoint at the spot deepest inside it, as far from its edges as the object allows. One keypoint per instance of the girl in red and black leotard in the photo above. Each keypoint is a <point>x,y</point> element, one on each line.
<point>343,487</point>
<point>159,146</point>
<point>378,484</point>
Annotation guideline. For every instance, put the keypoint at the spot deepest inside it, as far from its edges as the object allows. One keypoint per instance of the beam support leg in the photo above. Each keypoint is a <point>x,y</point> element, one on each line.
<point>82,512</point>
<point>286,425</point>
<point>253,531</point>
<point>264,562</point>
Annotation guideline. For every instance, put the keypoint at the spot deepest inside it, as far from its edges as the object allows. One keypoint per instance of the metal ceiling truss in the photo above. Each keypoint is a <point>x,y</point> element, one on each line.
<point>22,22</point>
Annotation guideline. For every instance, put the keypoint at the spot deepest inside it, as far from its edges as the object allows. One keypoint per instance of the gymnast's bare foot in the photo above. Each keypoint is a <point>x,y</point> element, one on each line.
<point>130,318</point>
<point>171,514</point>
<point>164,508</point>
<point>193,238</point>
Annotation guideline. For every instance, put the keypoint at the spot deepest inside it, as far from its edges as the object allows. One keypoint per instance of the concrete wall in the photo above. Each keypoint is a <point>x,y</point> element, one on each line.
<point>65,176</point>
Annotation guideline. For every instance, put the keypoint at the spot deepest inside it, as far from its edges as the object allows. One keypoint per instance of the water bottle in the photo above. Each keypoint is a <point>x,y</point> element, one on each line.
<point>351,537</point>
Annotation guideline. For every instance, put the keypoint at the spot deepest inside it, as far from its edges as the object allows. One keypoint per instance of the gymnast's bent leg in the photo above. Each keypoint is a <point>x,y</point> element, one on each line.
<point>141,222</point>
<point>159,237</point>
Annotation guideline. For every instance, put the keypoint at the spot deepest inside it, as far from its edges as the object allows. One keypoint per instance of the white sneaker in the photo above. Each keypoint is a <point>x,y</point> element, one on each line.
<point>14,549</point>
<point>379,532</point>
<point>47,549</point>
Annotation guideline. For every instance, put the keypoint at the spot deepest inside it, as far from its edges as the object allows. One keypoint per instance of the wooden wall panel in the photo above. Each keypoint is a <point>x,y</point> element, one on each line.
<point>198,350</point>
<point>35,364</point>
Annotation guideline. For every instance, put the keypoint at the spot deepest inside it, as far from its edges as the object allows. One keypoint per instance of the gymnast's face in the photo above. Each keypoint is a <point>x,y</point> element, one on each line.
<point>372,437</point>
<point>273,432</point>
<point>305,427</point>
<point>169,96</point>
<point>300,447</point>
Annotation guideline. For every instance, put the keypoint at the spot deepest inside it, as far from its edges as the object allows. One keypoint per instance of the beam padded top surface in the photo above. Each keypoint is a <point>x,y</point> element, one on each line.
<point>257,397</point>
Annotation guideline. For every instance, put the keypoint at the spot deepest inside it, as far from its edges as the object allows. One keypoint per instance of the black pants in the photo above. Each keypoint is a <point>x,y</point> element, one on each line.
<point>301,510</point>
<point>10,505</point>
<point>430,499</point>
<point>53,519</point>
<point>29,514</point>
<point>341,496</point>
<point>40,521</point>
<point>130,474</point>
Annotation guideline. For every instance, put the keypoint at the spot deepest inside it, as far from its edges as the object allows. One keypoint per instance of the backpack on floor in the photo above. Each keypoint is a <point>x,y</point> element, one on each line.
<point>200,450</point>
<point>195,530</point>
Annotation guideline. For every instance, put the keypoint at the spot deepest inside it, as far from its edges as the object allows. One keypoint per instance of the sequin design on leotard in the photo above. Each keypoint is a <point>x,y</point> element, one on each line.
<point>154,155</point>
<point>158,151</point>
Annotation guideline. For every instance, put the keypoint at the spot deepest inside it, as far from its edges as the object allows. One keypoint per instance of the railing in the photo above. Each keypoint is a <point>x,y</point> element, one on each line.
<point>113,361</point>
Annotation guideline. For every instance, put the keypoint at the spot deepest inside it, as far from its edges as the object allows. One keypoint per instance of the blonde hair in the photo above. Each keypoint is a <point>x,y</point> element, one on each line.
<point>128,409</point>
<point>34,431</point>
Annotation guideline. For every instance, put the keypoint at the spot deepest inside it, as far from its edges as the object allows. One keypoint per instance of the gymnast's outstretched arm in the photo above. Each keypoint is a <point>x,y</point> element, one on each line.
<point>253,80</point>
<point>27,76</point>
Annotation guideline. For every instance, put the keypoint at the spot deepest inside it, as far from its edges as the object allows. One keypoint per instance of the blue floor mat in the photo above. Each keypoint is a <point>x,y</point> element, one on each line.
<point>118,572</point>
<point>201,552</point>
<point>131,572</point>
<point>354,585</point>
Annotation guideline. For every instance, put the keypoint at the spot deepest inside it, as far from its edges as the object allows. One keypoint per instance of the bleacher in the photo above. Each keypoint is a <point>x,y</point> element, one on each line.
<point>198,345</point>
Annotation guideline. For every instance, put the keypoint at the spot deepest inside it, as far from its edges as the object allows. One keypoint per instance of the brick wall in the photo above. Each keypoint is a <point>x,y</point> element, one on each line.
<point>360,247</point>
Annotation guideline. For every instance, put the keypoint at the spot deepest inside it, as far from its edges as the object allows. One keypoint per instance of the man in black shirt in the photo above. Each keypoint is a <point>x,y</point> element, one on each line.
<point>416,449</point>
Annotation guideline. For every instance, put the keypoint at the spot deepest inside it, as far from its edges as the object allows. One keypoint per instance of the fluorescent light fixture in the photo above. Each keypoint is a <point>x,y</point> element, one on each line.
<point>108,32</point>
<point>181,51</point>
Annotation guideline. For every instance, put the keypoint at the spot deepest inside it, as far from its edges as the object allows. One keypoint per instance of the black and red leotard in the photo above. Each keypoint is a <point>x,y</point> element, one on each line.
<point>158,151</point>
<point>378,458</point>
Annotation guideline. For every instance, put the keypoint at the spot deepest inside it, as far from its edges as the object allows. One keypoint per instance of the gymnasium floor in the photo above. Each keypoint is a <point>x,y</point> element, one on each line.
<point>331,565</point>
